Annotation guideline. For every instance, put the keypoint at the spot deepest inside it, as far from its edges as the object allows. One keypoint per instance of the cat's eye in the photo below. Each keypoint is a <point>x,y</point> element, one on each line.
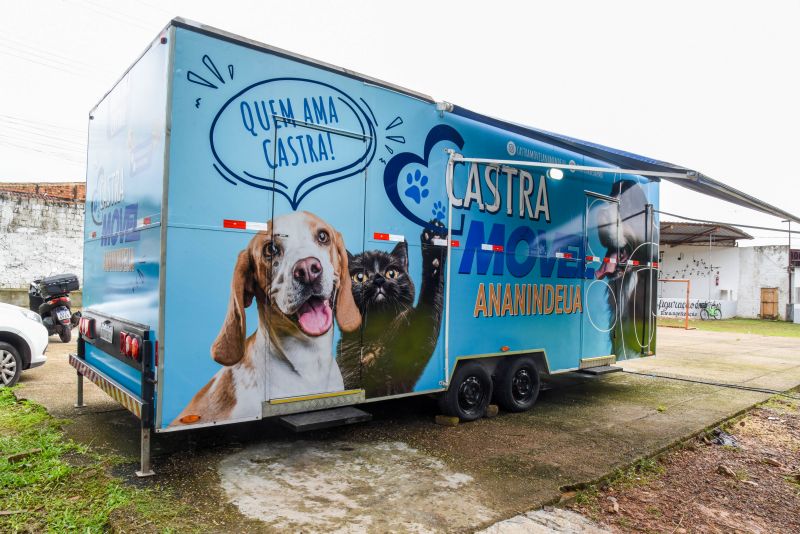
<point>391,273</point>
<point>323,237</point>
<point>359,278</point>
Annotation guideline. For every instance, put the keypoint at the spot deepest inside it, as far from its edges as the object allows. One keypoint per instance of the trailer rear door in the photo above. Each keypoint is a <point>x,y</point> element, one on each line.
<point>601,244</point>
<point>333,219</point>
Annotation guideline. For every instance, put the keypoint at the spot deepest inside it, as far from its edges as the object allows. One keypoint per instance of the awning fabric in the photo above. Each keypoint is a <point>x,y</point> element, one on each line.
<point>695,181</point>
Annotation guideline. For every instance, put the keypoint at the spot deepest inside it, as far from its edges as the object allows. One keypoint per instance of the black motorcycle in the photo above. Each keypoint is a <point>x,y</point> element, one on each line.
<point>49,297</point>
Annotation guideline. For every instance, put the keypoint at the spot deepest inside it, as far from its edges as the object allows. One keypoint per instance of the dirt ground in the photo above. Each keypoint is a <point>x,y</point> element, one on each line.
<point>753,486</point>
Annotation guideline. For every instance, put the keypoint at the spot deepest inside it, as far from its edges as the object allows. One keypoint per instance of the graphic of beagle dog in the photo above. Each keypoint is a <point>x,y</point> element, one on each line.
<point>297,272</point>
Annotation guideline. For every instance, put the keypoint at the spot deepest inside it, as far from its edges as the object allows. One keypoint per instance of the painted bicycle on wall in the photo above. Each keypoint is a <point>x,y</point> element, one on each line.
<point>709,310</point>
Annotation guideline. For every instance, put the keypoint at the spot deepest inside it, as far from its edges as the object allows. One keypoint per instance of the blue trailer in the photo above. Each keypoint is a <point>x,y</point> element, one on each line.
<point>270,235</point>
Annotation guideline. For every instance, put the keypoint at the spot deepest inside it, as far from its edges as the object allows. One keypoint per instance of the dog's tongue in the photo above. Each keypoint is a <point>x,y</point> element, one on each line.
<point>607,269</point>
<point>315,316</point>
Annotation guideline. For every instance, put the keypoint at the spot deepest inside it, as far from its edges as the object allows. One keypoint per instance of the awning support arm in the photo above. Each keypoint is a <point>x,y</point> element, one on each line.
<point>455,157</point>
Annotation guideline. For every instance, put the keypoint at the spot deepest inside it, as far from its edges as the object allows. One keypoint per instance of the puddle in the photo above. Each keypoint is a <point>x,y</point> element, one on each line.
<point>350,487</point>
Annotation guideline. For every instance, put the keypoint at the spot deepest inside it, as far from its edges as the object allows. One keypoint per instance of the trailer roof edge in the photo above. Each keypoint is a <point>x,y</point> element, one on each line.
<point>212,31</point>
<point>133,63</point>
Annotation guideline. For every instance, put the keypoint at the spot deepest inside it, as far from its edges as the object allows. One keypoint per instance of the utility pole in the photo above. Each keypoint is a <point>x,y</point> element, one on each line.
<point>791,269</point>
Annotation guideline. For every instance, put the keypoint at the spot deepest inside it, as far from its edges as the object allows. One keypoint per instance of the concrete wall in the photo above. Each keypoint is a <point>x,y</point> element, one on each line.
<point>741,272</point>
<point>763,267</point>
<point>701,267</point>
<point>40,235</point>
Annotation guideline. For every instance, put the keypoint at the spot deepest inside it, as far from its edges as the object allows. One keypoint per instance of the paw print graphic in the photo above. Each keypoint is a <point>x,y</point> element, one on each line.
<point>438,210</point>
<point>416,186</point>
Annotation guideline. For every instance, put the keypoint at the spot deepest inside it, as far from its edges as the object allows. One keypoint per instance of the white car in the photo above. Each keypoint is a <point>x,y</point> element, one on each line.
<point>23,342</point>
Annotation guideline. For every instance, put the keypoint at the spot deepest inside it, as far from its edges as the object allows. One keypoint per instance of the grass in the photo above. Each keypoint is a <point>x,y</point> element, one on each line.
<point>640,472</point>
<point>737,325</point>
<point>64,487</point>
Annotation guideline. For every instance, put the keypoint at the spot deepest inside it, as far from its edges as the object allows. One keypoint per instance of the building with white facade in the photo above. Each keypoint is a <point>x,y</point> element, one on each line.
<point>744,281</point>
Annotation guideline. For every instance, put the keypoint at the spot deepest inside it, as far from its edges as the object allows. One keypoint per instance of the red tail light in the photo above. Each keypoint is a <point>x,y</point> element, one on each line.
<point>130,345</point>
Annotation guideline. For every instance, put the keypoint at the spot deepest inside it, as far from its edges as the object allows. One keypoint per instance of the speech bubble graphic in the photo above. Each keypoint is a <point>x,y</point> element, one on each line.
<point>398,183</point>
<point>291,136</point>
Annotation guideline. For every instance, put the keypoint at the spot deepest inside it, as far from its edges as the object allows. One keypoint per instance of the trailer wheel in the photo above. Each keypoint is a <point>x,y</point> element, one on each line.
<point>518,385</point>
<point>469,393</point>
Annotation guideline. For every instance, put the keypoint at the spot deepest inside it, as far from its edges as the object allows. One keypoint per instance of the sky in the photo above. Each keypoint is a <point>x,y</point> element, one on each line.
<point>712,85</point>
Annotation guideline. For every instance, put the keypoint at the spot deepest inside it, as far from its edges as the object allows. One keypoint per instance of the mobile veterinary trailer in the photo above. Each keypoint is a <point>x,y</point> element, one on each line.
<point>270,235</point>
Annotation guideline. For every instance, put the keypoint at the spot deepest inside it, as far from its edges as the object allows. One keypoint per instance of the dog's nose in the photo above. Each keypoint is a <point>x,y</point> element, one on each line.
<point>307,270</point>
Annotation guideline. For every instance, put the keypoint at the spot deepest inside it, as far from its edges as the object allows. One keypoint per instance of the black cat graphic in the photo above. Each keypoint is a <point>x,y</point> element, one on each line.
<point>396,339</point>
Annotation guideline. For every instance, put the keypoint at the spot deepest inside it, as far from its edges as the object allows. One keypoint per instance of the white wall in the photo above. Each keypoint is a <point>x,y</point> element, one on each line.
<point>38,237</point>
<point>763,267</point>
<point>742,272</point>
<point>701,267</point>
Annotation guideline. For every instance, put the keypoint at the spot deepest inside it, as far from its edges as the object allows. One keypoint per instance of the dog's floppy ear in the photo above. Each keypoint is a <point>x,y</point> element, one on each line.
<point>228,348</point>
<point>347,314</point>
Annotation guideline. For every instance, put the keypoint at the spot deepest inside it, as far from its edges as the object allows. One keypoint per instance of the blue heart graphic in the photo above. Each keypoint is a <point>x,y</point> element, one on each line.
<point>414,182</point>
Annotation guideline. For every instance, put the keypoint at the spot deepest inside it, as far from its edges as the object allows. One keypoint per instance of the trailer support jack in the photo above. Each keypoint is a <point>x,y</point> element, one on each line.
<point>144,451</point>
<point>79,400</point>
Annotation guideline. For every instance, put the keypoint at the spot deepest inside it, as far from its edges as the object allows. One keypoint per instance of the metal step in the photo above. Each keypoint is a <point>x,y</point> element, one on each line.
<point>601,370</point>
<point>303,422</point>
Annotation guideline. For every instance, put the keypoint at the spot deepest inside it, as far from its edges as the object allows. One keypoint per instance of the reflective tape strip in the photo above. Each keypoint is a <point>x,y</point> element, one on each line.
<point>609,260</point>
<point>634,262</point>
<point>244,225</point>
<point>378,236</point>
<point>653,264</point>
<point>443,242</point>
<point>564,255</point>
<point>130,402</point>
<point>492,248</point>
<point>592,258</point>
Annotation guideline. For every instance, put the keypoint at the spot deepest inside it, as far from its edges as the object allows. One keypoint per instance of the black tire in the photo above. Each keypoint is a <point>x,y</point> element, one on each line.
<point>10,365</point>
<point>703,314</point>
<point>469,393</point>
<point>518,384</point>
<point>65,334</point>
<point>718,314</point>
<point>75,319</point>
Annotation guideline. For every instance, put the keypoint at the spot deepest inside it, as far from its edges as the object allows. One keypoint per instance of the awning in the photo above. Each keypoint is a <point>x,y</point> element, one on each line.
<point>694,180</point>
<point>689,233</point>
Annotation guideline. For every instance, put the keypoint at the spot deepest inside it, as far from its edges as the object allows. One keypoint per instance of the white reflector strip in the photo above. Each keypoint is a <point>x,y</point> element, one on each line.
<point>144,221</point>
<point>439,242</point>
<point>492,248</point>
<point>378,236</point>
<point>609,260</point>
<point>564,255</point>
<point>244,225</point>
